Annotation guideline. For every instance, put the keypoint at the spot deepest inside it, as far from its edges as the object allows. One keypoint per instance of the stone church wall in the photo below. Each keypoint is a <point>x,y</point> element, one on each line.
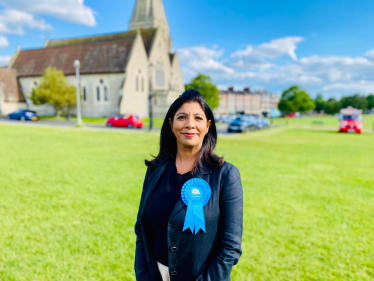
<point>91,107</point>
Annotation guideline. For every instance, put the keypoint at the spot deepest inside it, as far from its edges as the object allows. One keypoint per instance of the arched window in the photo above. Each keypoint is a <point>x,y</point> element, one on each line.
<point>98,93</point>
<point>160,75</point>
<point>84,94</point>
<point>137,83</point>
<point>105,93</point>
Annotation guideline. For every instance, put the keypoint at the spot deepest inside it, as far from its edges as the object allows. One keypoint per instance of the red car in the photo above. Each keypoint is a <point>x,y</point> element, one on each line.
<point>125,120</point>
<point>350,120</point>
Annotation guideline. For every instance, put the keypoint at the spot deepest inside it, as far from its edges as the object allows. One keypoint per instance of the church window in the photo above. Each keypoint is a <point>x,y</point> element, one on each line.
<point>98,93</point>
<point>101,81</point>
<point>84,94</point>
<point>105,93</point>
<point>142,84</point>
<point>137,84</point>
<point>160,77</point>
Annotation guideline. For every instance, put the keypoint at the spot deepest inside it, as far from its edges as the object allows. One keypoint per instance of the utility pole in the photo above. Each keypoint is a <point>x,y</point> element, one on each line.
<point>150,70</point>
<point>77,66</point>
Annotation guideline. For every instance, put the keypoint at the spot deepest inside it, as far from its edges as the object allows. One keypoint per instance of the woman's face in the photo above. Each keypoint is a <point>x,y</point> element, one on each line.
<point>190,125</point>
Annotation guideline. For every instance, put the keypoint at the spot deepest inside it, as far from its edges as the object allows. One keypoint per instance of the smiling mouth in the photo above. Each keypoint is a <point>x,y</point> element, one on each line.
<point>189,135</point>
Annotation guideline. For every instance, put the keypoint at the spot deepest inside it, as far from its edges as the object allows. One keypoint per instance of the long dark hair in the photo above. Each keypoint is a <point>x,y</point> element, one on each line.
<point>168,142</point>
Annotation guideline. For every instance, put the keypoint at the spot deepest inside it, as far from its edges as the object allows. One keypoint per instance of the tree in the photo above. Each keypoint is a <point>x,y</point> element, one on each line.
<point>370,100</point>
<point>203,84</point>
<point>295,99</point>
<point>55,90</point>
<point>320,103</point>
<point>332,106</point>
<point>355,101</point>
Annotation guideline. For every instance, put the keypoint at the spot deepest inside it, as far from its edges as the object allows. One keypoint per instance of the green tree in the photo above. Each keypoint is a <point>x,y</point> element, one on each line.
<point>370,100</point>
<point>295,99</point>
<point>203,84</point>
<point>332,106</point>
<point>55,90</point>
<point>355,101</point>
<point>320,103</point>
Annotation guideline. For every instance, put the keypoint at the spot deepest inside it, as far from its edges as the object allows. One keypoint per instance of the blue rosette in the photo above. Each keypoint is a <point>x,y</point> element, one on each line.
<point>195,194</point>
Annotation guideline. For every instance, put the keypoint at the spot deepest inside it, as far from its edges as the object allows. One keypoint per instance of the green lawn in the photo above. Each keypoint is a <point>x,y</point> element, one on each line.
<point>321,121</point>
<point>69,199</point>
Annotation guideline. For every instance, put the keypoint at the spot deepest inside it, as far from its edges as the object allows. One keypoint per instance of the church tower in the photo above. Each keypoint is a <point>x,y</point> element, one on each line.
<point>149,14</point>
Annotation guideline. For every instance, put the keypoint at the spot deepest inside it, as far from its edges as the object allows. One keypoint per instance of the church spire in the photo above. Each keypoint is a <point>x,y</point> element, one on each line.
<point>149,14</point>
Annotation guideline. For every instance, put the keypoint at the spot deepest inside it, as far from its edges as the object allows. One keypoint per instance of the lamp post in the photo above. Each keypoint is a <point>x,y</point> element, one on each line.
<point>77,66</point>
<point>150,71</point>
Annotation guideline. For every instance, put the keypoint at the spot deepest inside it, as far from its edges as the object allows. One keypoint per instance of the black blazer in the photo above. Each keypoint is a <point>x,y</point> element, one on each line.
<point>206,256</point>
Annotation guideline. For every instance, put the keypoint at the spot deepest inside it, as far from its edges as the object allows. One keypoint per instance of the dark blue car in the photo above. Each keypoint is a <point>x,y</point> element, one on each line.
<point>243,123</point>
<point>23,114</point>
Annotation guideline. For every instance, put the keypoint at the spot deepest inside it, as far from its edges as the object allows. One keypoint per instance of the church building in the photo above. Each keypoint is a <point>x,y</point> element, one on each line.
<point>118,71</point>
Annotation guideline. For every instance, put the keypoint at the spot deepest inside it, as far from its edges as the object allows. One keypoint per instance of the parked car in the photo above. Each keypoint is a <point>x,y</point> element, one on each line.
<point>227,118</point>
<point>23,115</point>
<point>293,115</point>
<point>243,123</point>
<point>350,120</point>
<point>125,120</point>
<point>262,122</point>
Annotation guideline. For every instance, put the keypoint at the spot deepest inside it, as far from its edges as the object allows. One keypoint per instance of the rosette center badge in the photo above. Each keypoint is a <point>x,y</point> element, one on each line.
<point>195,194</point>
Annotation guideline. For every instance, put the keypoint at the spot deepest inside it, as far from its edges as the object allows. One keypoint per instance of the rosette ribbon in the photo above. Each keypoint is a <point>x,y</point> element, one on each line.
<point>195,194</point>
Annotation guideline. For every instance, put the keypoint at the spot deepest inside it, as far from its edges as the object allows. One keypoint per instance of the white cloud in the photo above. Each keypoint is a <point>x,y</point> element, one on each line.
<point>3,42</point>
<point>12,22</point>
<point>202,59</point>
<point>370,54</point>
<point>273,49</point>
<point>74,11</point>
<point>263,65</point>
<point>362,86</point>
<point>4,60</point>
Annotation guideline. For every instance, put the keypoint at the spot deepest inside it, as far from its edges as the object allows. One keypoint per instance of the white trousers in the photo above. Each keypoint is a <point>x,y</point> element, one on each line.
<point>164,270</point>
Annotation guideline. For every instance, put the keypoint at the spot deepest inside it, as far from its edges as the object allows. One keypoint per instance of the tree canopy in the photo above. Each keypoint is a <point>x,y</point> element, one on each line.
<point>55,90</point>
<point>355,101</point>
<point>296,99</point>
<point>320,103</point>
<point>208,90</point>
<point>332,106</point>
<point>370,100</point>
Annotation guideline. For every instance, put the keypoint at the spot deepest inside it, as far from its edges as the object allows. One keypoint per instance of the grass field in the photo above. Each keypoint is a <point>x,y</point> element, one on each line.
<point>321,121</point>
<point>69,198</point>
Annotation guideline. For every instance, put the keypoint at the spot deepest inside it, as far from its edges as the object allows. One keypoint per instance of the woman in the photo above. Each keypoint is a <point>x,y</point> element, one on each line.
<point>165,248</point>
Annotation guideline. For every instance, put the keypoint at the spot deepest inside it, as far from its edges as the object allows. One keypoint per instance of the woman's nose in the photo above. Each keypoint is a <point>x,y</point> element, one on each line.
<point>190,123</point>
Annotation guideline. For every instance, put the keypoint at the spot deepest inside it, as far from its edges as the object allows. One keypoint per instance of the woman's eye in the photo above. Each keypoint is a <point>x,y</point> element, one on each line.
<point>180,117</point>
<point>199,118</point>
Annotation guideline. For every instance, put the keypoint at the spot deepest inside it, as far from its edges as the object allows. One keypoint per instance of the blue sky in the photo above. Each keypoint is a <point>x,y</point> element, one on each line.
<point>324,46</point>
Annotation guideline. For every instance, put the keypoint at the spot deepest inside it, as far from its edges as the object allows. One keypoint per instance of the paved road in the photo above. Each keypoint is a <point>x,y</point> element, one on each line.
<point>221,128</point>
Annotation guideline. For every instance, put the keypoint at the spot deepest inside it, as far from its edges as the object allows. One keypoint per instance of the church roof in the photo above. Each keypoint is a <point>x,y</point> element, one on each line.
<point>10,86</point>
<point>97,54</point>
<point>147,36</point>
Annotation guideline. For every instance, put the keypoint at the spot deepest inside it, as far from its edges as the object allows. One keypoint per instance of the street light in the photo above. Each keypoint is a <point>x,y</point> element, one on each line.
<point>150,70</point>
<point>77,66</point>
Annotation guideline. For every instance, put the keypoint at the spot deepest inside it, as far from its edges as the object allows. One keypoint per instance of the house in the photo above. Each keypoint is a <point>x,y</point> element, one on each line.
<point>246,102</point>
